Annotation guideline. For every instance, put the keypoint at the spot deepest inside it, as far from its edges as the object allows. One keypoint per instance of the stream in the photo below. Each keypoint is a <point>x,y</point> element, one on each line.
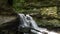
<point>27,25</point>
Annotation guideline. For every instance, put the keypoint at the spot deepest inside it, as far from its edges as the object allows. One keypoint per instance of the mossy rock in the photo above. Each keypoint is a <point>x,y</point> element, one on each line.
<point>47,22</point>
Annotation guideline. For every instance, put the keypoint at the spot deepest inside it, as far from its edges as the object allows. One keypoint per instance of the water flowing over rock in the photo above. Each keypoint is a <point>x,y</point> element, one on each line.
<point>28,22</point>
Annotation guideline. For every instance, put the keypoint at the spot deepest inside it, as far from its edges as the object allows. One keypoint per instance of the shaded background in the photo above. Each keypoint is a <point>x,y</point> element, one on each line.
<point>45,12</point>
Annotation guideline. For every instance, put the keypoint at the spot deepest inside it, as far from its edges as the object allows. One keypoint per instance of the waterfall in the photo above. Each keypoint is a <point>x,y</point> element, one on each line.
<point>27,22</point>
<point>24,24</point>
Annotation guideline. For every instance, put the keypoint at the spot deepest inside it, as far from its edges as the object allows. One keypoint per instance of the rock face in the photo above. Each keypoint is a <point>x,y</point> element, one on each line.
<point>46,12</point>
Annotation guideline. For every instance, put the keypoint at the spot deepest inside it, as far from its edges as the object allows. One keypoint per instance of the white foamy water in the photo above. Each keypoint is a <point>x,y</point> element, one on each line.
<point>30,20</point>
<point>52,32</point>
<point>35,26</point>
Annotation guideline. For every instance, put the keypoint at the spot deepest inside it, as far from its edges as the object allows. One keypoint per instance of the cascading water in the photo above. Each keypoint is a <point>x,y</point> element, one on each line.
<point>23,25</point>
<point>27,24</point>
<point>35,26</point>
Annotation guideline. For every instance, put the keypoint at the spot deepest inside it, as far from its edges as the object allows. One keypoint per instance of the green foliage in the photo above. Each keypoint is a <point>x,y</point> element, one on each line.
<point>47,8</point>
<point>17,4</point>
<point>49,11</point>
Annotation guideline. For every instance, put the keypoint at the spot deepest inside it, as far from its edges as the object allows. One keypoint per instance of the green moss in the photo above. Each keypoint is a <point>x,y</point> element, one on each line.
<point>46,22</point>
